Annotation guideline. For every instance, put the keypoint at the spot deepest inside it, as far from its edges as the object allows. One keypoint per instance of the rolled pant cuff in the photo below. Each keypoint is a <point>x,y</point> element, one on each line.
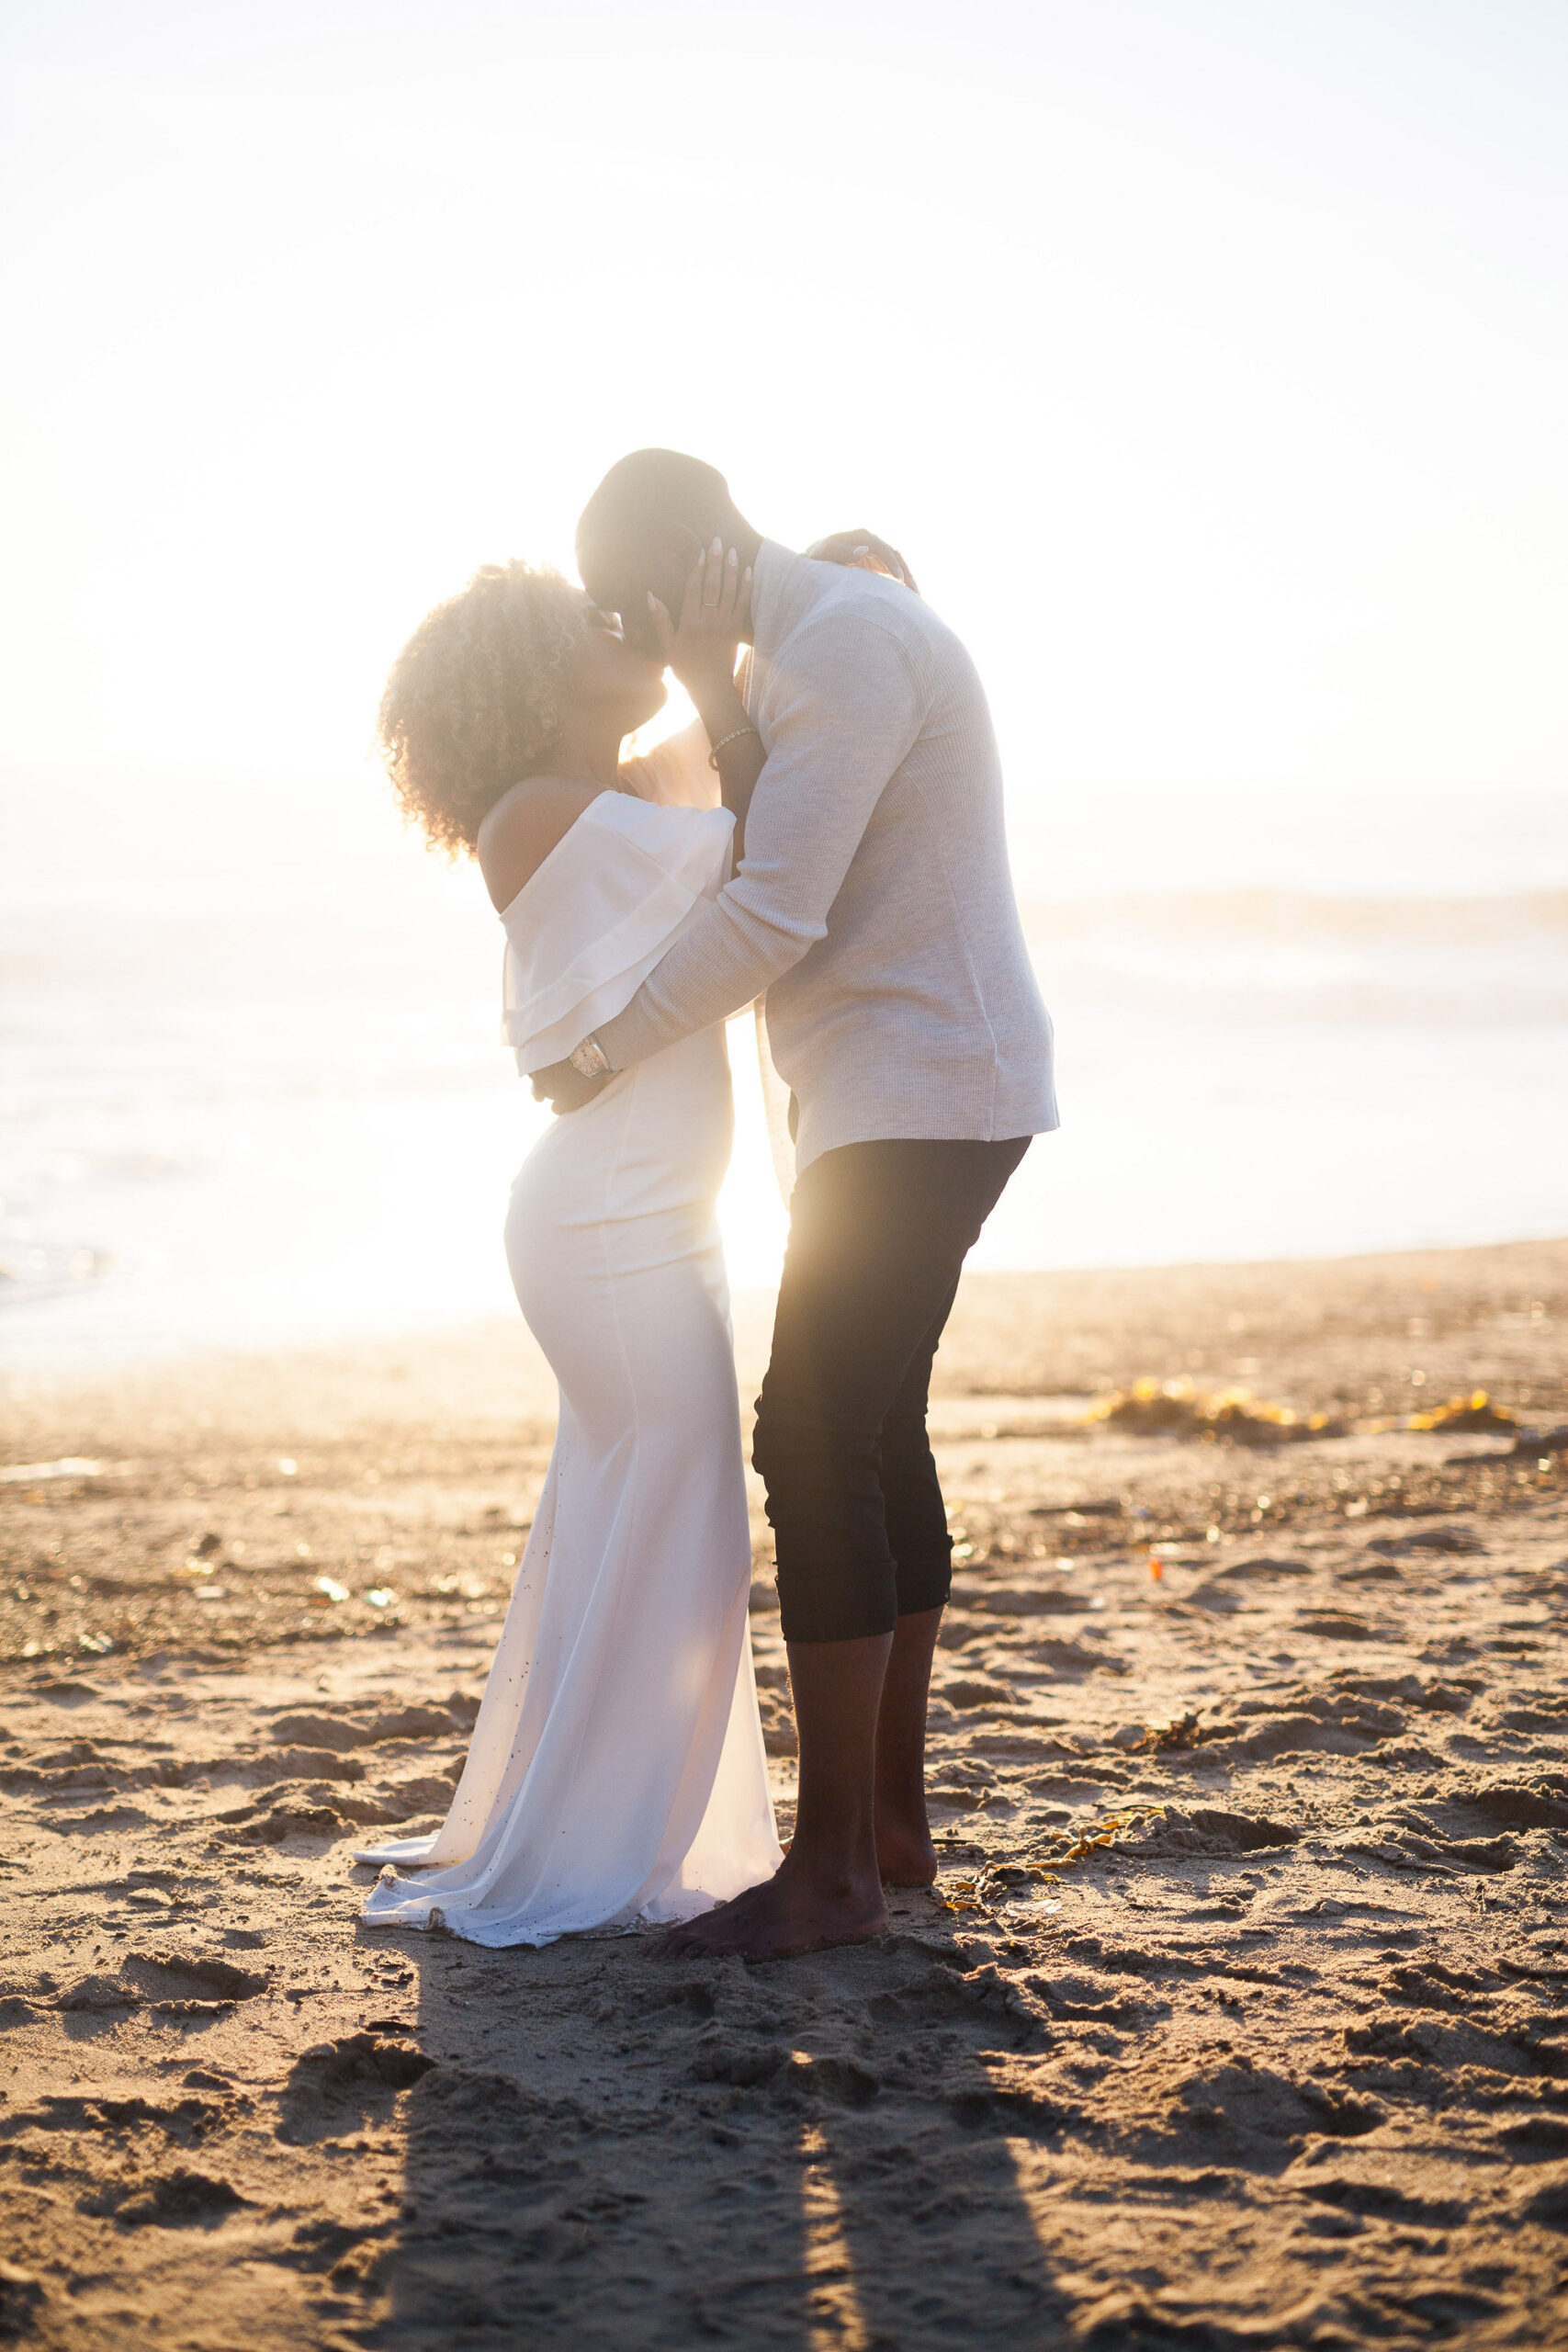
<point>846,1608</point>
<point>924,1584</point>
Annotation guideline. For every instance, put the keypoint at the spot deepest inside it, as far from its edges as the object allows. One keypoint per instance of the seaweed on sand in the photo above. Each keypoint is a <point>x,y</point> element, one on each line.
<point>1177,1409</point>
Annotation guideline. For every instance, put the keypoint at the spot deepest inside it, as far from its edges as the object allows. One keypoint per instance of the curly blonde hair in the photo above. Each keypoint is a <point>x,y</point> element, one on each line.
<point>473,703</point>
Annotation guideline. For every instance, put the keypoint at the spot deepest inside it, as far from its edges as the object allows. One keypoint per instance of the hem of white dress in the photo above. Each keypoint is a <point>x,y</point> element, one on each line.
<point>501,1934</point>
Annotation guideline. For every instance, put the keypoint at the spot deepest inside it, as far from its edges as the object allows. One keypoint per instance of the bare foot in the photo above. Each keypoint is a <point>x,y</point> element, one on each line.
<point>791,1913</point>
<point>905,1854</point>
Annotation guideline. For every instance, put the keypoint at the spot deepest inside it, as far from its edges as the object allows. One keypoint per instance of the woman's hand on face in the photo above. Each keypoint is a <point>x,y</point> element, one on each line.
<point>863,552</point>
<point>715,614</point>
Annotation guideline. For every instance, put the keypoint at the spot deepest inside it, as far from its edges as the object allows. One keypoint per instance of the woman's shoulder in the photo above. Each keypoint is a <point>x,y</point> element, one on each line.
<point>529,820</point>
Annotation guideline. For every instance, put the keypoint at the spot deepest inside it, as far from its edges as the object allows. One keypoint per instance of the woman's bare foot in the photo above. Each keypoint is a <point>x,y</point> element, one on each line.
<point>794,1911</point>
<point>904,1853</point>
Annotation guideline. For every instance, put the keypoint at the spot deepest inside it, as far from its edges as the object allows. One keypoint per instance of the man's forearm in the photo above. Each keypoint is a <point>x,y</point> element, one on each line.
<point>724,960</point>
<point>841,718</point>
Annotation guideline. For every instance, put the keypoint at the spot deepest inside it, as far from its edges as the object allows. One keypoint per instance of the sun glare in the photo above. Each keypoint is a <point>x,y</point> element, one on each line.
<point>751,1209</point>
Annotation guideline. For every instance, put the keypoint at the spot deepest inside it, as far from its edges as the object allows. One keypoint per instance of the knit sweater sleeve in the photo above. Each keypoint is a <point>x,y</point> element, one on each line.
<point>840,713</point>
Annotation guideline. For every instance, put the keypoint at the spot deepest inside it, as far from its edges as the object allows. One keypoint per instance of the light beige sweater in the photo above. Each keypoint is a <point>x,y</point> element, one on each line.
<point>873,903</point>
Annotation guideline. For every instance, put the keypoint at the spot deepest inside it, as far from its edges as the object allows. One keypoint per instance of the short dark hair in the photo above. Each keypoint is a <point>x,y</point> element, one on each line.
<point>642,495</point>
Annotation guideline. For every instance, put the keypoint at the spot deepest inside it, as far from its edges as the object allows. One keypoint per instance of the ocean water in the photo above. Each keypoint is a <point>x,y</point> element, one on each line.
<point>251,1088</point>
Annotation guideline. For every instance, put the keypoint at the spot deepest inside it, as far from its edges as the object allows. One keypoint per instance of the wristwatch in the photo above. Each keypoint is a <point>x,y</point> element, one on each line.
<point>590,1059</point>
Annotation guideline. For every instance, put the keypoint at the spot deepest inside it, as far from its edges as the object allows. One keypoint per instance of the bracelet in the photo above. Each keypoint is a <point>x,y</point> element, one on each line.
<point>733,737</point>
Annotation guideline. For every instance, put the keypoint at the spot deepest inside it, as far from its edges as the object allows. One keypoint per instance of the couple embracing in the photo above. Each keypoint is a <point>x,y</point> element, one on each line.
<point>828,838</point>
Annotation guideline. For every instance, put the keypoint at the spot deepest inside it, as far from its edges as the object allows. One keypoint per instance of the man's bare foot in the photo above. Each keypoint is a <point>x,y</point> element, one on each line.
<point>790,1913</point>
<point>905,1854</point>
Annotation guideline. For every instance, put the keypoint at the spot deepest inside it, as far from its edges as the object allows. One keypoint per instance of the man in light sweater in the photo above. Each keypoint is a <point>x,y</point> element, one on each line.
<point>874,908</point>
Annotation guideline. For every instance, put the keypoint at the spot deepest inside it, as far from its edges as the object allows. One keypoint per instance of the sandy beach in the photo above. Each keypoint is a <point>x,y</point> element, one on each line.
<point>1239,2016</point>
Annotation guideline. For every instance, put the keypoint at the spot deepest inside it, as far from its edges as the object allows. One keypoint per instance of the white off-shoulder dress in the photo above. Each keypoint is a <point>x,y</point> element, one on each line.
<point>617,1772</point>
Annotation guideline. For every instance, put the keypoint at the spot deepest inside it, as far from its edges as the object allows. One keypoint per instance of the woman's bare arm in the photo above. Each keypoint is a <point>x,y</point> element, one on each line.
<point>700,649</point>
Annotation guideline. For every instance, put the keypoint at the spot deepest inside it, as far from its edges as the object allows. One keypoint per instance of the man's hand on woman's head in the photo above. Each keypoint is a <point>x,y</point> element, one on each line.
<point>715,612</point>
<point>863,552</point>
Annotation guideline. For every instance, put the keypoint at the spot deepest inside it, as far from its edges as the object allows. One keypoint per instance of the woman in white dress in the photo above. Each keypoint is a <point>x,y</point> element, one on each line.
<point>616,1773</point>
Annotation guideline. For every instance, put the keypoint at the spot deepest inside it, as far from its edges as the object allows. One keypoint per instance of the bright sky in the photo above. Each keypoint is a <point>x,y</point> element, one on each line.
<point>1208,358</point>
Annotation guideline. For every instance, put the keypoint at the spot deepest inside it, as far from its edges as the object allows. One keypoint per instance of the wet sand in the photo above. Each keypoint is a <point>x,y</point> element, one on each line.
<point>1240,2017</point>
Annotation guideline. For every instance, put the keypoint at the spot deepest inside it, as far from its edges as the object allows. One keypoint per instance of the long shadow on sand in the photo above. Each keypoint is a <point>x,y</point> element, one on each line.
<point>603,2148</point>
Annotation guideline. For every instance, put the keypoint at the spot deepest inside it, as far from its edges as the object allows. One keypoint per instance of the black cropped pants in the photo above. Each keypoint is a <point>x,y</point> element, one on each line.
<point>878,1236</point>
